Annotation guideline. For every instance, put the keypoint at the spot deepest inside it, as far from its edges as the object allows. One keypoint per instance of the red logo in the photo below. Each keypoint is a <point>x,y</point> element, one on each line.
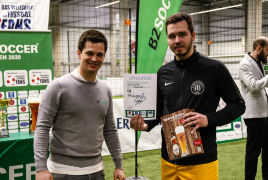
<point>197,142</point>
<point>11,102</point>
<point>23,108</point>
<point>182,120</point>
<point>0,95</point>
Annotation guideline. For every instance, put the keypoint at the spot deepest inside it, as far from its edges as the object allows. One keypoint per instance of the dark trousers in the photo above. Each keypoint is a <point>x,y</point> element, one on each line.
<point>95,176</point>
<point>257,143</point>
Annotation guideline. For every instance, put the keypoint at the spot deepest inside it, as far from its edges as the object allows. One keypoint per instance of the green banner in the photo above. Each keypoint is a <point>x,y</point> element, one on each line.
<point>26,67</point>
<point>151,35</point>
<point>16,157</point>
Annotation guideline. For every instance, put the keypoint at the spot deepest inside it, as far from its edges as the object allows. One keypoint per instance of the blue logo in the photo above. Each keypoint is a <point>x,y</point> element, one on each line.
<point>136,112</point>
<point>23,101</point>
<point>12,117</point>
<point>24,124</point>
<point>16,24</point>
<point>22,94</point>
<point>150,112</point>
<point>11,94</point>
<point>237,126</point>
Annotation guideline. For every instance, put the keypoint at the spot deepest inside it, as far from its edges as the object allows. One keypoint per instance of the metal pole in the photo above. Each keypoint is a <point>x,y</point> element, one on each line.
<point>129,37</point>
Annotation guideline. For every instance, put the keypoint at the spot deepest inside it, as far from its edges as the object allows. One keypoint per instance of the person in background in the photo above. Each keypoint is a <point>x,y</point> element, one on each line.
<point>79,109</point>
<point>192,81</point>
<point>253,82</point>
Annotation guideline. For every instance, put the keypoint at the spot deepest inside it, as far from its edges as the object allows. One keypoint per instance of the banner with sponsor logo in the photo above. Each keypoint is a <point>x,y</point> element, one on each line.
<point>26,67</point>
<point>24,14</point>
<point>151,36</point>
<point>151,33</point>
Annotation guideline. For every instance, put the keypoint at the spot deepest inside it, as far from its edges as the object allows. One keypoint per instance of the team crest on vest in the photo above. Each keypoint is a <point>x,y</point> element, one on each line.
<point>197,88</point>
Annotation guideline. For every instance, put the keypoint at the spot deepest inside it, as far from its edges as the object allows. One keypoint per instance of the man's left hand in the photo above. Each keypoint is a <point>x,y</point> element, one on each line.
<point>195,119</point>
<point>119,174</point>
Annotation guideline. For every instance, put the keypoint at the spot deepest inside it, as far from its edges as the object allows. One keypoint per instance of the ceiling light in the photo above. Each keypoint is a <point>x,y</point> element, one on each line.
<point>107,4</point>
<point>228,7</point>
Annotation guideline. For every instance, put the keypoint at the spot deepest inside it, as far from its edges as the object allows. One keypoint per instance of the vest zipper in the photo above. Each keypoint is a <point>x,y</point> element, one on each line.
<point>181,92</point>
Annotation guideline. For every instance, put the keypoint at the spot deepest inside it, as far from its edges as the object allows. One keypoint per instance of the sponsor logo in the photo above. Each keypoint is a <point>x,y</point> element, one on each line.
<point>11,102</point>
<point>22,93</point>
<point>182,120</point>
<point>237,126</point>
<point>159,24</point>
<point>23,101</point>
<point>19,48</point>
<point>16,23</point>
<point>143,112</point>
<point>166,84</point>
<point>12,117</point>
<point>16,16</point>
<point>13,125</point>
<point>197,88</point>
<point>23,109</point>
<point>24,124</point>
<point>103,102</point>
<point>11,94</point>
<point>197,142</point>
<point>24,116</point>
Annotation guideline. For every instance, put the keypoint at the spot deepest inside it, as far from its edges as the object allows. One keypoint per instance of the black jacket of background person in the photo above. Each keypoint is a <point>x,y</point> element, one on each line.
<point>197,83</point>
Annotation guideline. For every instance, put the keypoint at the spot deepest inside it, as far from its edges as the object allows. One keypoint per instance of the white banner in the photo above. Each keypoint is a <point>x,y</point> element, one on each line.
<point>148,140</point>
<point>24,14</point>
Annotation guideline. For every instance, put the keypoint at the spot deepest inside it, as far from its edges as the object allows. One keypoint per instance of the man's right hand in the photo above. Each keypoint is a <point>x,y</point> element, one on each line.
<point>137,123</point>
<point>43,175</point>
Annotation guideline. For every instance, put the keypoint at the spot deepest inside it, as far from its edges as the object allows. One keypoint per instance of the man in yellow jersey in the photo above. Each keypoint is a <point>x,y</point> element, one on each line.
<point>196,82</point>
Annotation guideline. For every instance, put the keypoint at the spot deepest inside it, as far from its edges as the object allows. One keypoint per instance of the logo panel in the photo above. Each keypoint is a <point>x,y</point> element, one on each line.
<point>197,87</point>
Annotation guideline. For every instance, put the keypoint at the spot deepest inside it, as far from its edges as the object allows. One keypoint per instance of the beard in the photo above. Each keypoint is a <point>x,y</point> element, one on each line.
<point>188,48</point>
<point>262,58</point>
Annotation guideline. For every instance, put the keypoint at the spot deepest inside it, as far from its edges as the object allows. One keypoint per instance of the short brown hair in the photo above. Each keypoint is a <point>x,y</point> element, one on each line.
<point>259,41</point>
<point>178,17</point>
<point>93,36</point>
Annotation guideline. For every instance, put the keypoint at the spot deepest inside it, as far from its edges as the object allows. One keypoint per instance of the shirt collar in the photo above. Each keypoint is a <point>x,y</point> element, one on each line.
<point>78,75</point>
<point>188,61</point>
